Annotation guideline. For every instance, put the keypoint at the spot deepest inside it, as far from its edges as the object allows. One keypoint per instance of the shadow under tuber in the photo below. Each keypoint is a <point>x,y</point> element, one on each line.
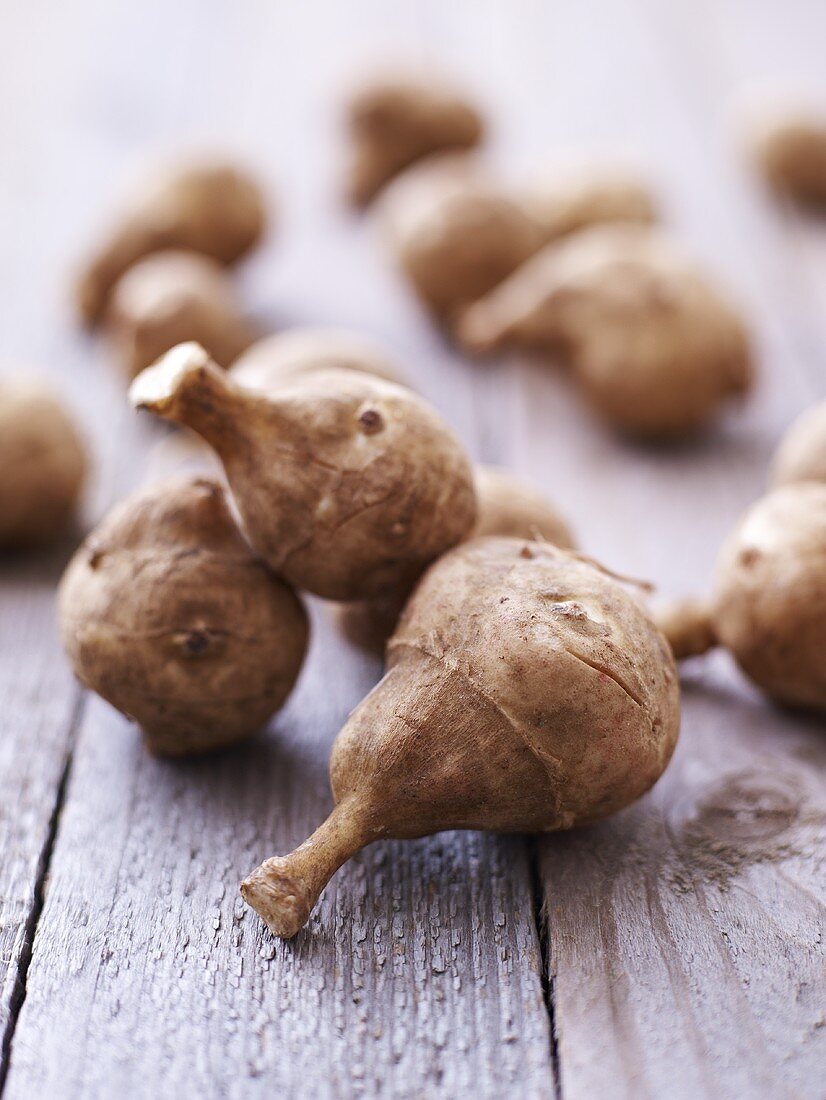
<point>347,485</point>
<point>525,691</point>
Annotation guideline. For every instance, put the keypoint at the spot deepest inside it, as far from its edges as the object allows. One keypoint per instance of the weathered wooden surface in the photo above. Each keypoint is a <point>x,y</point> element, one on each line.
<point>684,938</point>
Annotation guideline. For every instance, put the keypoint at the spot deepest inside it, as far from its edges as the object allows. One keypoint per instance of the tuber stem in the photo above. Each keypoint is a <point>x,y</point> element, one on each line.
<point>284,889</point>
<point>688,628</point>
<point>188,387</point>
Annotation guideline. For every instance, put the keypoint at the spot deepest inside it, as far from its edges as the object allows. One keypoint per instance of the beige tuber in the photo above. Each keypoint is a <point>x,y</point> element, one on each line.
<point>455,235</point>
<point>768,607</point>
<point>347,485</point>
<point>801,455</point>
<point>525,691</point>
<point>507,506</point>
<point>42,465</point>
<point>167,614</point>
<point>790,149</point>
<point>652,342</point>
<point>567,198</point>
<point>397,120</point>
<point>269,362</point>
<point>210,207</point>
<point>168,298</point>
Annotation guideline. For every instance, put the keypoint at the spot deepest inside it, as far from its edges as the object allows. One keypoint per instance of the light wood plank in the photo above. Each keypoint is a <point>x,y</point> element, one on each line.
<point>421,969</point>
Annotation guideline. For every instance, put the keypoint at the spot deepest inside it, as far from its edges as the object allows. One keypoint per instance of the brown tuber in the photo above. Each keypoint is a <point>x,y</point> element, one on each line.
<point>395,121</point>
<point>267,363</point>
<point>567,198</point>
<point>525,691</point>
<point>801,455</point>
<point>790,149</point>
<point>167,614</point>
<point>42,465</point>
<point>768,606</point>
<point>652,342</point>
<point>455,235</point>
<point>347,485</point>
<point>507,506</point>
<point>210,207</point>
<point>168,298</point>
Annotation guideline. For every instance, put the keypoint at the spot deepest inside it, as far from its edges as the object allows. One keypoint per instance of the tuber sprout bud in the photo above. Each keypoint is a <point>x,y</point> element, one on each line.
<point>42,465</point>
<point>168,298</point>
<point>166,613</point>
<point>769,602</point>
<point>347,485</point>
<point>210,207</point>
<point>801,455</point>
<point>653,344</point>
<point>396,121</point>
<point>525,691</point>
<point>269,362</point>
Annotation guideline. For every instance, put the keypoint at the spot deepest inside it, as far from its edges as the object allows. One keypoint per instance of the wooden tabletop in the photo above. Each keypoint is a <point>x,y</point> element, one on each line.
<point>676,950</point>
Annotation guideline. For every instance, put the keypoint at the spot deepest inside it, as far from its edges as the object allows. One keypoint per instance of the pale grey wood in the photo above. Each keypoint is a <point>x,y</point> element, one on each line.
<point>420,973</point>
<point>685,935</point>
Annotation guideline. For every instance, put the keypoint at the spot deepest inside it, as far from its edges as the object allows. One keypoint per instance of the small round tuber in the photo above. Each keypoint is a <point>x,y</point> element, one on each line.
<point>395,121</point>
<point>507,506</point>
<point>568,198</point>
<point>653,344</point>
<point>210,207</point>
<point>168,298</point>
<point>790,149</point>
<point>347,485</point>
<point>167,614</point>
<point>286,355</point>
<point>526,691</point>
<point>769,602</point>
<point>455,235</point>
<point>801,455</point>
<point>42,465</point>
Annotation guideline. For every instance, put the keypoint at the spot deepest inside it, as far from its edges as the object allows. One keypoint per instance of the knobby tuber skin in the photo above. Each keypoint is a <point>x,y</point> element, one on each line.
<point>347,485</point>
<point>211,207</point>
<point>654,345</point>
<point>455,235</point>
<point>42,465</point>
<point>525,691</point>
<point>769,602</point>
<point>168,615</point>
<point>168,298</point>
<point>790,149</point>
<point>395,121</point>
<point>265,365</point>
<point>506,506</point>
<point>801,455</point>
<point>568,198</point>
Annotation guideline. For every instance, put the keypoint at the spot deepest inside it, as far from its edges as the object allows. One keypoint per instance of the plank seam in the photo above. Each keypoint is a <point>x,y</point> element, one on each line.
<point>18,995</point>
<point>541,919</point>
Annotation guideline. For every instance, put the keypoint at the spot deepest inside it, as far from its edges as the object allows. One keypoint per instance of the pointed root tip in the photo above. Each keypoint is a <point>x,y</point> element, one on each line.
<point>281,901</point>
<point>477,332</point>
<point>155,387</point>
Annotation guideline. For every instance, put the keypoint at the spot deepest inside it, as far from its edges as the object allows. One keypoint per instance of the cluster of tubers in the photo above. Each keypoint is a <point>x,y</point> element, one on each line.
<point>526,689</point>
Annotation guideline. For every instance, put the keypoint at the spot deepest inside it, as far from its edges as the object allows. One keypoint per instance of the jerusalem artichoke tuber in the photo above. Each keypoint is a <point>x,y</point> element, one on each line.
<point>168,298</point>
<point>525,691</point>
<point>166,613</point>
<point>653,344</point>
<point>347,485</point>
<point>801,455</point>
<point>209,206</point>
